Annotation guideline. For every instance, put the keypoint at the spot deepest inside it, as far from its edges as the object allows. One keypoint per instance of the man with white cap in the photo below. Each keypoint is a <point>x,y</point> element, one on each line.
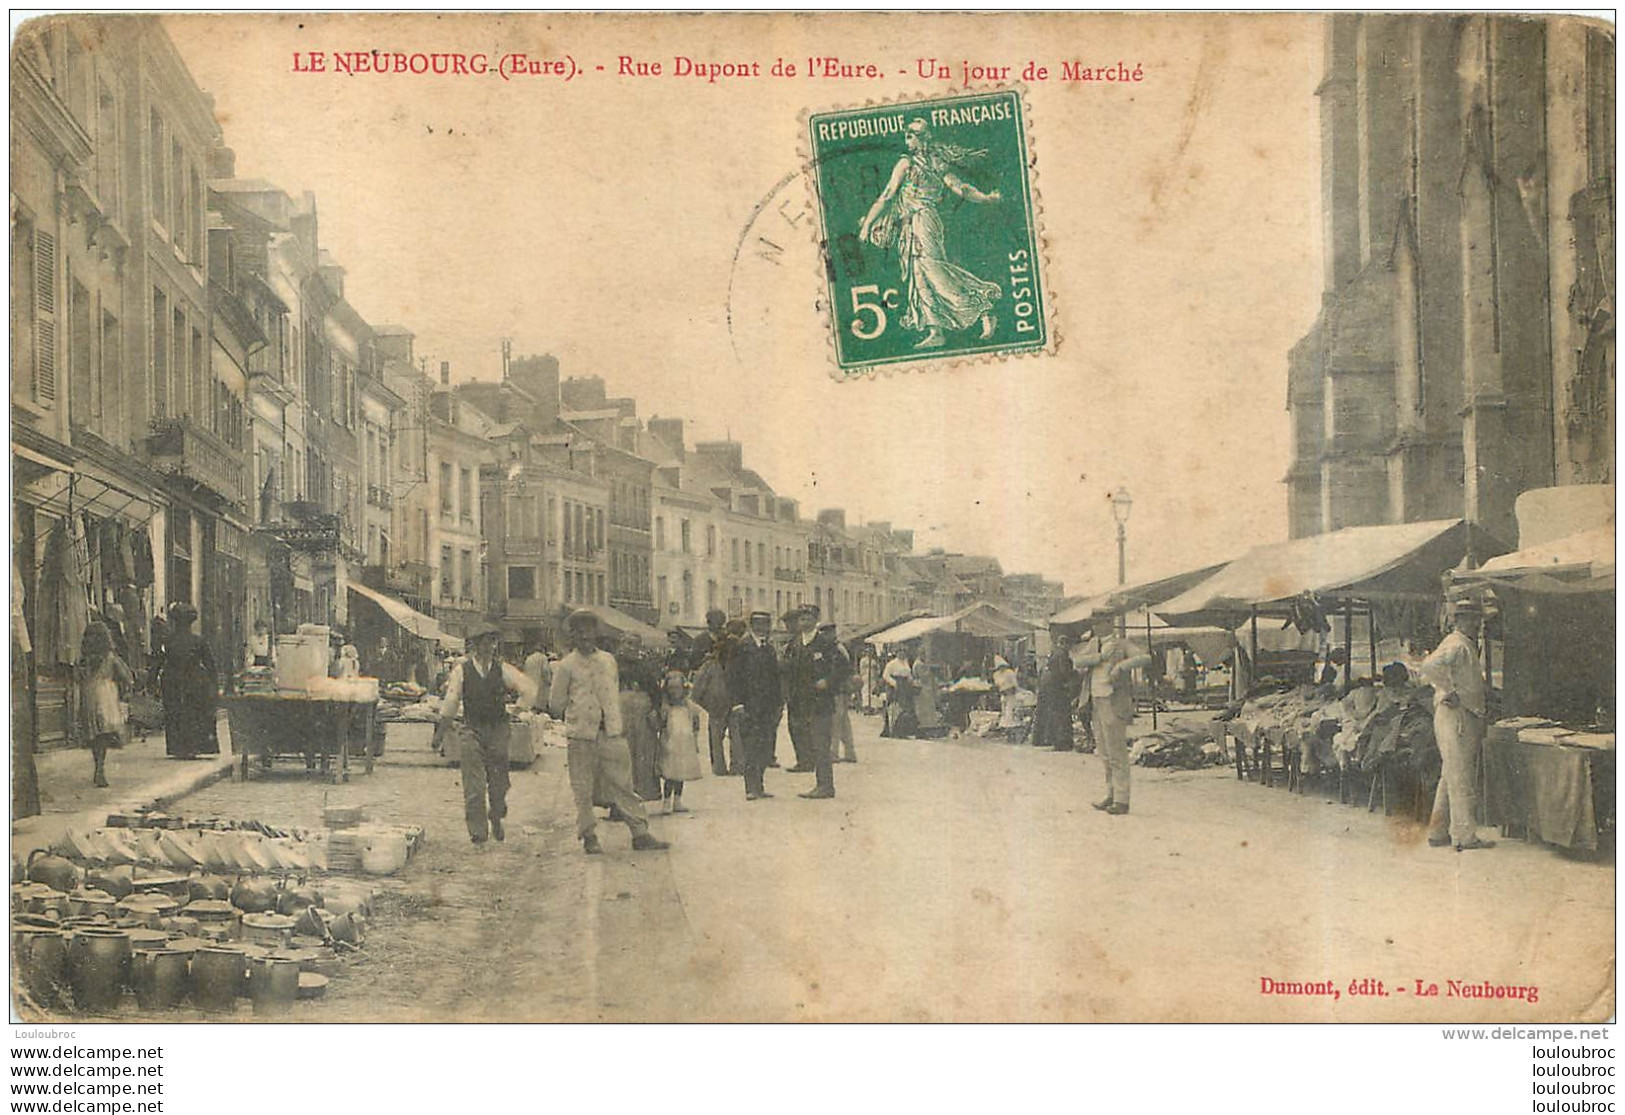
<point>586,696</point>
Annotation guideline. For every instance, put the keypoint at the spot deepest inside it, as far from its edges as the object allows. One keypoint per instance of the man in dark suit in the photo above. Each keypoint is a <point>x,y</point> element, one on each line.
<point>798,686</point>
<point>828,670</point>
<point>758,695</point>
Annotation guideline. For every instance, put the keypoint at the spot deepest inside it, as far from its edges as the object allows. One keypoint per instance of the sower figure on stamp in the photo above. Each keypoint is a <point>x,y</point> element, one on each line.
<point>798,684</point>
<point>1110,665</point>
<point>939,294</point>
<point>586,696</point>
<point>1454,671</point>
<point>755,682</point>
<point>478,689</point>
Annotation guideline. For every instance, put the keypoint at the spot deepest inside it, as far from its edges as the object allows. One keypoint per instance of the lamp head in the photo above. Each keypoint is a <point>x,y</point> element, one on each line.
<point>1122,504</point>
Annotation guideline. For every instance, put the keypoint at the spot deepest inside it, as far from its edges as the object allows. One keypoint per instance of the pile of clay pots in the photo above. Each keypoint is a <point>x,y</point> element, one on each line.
<point>83,938</point>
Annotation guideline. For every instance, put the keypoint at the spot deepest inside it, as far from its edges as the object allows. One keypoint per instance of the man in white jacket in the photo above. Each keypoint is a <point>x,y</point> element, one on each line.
<point>1457,677</point>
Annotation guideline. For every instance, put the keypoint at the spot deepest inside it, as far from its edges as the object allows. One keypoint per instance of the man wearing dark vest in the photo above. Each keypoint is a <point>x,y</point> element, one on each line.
<point>478,689</point>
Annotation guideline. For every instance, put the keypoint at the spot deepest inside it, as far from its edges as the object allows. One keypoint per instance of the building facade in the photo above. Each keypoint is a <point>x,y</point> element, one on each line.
<point>1465,352</point>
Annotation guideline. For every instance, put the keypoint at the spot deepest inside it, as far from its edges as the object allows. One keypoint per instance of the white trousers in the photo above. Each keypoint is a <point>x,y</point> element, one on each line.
<point>1460,736</point>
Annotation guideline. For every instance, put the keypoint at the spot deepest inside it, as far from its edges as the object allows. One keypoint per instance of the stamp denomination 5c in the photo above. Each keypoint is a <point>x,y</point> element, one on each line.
<point>929,231</point>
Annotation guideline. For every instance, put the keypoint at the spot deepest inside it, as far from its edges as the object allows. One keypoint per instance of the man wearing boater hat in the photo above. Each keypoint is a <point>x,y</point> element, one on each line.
<point>478,689</point>
<point>586,696</point>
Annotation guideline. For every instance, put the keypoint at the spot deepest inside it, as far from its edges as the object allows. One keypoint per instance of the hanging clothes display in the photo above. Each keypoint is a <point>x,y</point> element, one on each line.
<point>64,609</point>
<point>141,557</point>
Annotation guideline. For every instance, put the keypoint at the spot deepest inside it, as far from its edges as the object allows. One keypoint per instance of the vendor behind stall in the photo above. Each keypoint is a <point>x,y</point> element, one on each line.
<point>478,690</point>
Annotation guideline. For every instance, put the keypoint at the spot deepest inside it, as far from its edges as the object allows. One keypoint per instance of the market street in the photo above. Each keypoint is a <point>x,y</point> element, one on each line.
<point>950,880</point>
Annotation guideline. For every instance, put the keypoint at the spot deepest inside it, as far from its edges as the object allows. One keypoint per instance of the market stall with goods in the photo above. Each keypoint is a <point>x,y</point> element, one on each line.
<point>1373,734</point>
<point>955,665</point>
<point>1549,760</point>
<point>297,711</point>
<point>397,643</point>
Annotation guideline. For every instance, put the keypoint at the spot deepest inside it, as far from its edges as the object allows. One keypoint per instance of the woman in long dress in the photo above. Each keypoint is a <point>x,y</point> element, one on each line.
<point>939,294</point>
<point>188,687</point>
<point>639,691</point>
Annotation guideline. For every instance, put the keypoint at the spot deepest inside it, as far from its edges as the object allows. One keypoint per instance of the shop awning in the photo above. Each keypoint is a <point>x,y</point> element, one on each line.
<point>1126,597</point>
<point>1393,562</point>
<point>623,624</point>
<point>981,619</point>
<point>57,488</point>
<point>1581,562</point>
<point>408,617</point>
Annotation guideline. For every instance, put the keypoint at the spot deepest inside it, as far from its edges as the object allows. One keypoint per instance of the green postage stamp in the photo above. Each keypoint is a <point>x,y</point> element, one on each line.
<point>930,235</point>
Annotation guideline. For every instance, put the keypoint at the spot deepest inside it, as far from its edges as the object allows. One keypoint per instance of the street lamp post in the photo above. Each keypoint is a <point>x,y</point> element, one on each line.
<point>1122,504</point>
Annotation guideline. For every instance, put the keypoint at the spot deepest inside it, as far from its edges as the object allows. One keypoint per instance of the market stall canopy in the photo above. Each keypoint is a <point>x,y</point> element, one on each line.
<point>1211,644</point>
<point>623,624</point>
<point>877,628</point>
<point>1393,562</point>
<point>1126,597</point>
<point>408,617</point>
<point>981,619</point>
<point>1581,562</point>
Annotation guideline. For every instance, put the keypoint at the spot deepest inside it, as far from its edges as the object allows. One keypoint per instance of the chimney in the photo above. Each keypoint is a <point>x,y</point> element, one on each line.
<point>670,431</point>
<point>729,454</point>
<point>222,162</point>
<point>445,373</point>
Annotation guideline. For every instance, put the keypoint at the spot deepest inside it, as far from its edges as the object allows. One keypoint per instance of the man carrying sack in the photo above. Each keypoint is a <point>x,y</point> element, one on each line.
<point>586,696</point>
<point>478,689</point>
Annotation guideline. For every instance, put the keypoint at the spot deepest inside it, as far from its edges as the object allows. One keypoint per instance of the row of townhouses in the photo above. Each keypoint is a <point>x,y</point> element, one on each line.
<point>200,415</point>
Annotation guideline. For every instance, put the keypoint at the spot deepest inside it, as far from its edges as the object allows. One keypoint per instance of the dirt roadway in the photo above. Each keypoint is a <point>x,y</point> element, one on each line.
<point>950,881</point>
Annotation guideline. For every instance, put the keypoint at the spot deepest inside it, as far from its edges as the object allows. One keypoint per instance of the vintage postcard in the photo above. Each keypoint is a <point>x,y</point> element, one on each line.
<point>813,518</point>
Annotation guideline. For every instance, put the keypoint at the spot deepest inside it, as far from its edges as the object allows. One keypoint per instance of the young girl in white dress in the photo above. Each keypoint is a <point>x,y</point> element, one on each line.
<point>679,741</point>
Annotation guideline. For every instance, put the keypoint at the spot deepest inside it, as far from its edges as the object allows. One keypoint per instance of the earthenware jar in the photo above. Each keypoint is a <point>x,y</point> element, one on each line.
<point>217,977</point>
<point>54,871</point>
<point>160,978</point>
<point>85,903</point>
<point>98,967</point>
<point>271,930</point>
<point>273,983</point>
<point>42,962</point>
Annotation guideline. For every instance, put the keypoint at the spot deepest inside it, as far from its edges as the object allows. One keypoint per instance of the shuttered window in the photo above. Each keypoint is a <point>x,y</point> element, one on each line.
<point>44,318</point>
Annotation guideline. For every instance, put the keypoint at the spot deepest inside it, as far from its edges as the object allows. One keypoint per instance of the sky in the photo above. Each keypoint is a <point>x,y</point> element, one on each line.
<point>618,223</point>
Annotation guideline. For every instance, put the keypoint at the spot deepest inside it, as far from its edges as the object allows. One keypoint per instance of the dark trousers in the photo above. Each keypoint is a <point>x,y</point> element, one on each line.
<point>759,731</point>
<point>822,745</point>
<point>736,741</point>
<point>485,774</point>
<point>716,726</point>
<point>801,731</point>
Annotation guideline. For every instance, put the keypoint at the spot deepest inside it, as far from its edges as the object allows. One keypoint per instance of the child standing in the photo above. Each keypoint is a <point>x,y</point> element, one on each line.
<point>103,680</point>
<point>679,740</point>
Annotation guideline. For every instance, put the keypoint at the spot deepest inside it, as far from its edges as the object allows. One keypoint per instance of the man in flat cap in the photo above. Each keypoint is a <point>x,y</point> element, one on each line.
<point>478,689</point>
<point>758,693</point>
<point>1457,677</point>
<point>586,696</point>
